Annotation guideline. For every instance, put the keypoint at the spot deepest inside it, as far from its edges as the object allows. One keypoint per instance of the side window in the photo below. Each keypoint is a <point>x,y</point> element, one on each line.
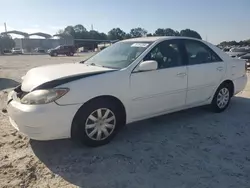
<point>166,53</point>
<point>199,53</point>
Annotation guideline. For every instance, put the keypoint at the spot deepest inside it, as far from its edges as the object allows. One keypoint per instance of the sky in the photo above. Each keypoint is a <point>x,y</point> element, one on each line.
<point>214,20</point>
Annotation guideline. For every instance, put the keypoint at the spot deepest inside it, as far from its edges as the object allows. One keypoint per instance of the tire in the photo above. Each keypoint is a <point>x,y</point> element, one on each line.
<point>54,54</point>
<point>223,93</point>
<point>84,128</point>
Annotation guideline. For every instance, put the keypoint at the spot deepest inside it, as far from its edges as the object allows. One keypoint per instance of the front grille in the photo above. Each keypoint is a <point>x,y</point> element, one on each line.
<point>19,93</point>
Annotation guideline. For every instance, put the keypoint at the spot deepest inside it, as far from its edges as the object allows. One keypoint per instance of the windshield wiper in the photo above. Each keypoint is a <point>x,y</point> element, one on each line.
<point>110,67</point>
<point>93,64</point>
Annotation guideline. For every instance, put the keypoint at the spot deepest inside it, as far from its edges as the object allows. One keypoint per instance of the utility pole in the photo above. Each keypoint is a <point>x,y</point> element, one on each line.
<point>5,27</point>
<point>92,28</point>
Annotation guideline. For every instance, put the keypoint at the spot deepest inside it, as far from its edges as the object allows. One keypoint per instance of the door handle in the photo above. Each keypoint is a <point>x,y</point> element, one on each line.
<point>181,74</point>
<point>219,68</point>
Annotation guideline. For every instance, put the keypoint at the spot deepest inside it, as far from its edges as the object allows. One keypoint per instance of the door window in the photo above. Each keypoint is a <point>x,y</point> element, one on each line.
<point>199,53</point>
<point>166,53</point>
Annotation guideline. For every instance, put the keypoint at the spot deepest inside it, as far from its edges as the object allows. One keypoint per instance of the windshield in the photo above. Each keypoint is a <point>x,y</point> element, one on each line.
<point>58,47</point>
<point>118,55</point>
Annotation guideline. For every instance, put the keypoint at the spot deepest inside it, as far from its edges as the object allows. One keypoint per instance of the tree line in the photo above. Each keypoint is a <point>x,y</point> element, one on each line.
<point>80,32</point>
<point>234,43</point>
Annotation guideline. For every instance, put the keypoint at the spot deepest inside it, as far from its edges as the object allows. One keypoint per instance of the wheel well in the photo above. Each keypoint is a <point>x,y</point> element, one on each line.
<point>231,86</point>
<point>112,99</point>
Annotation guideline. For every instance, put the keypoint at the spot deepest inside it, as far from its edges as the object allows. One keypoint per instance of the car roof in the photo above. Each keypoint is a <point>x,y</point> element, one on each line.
<point>154,39</point>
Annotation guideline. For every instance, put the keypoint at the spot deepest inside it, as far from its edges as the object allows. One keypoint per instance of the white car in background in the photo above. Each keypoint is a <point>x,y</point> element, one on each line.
<point>238,52</point>
<point>131,80</point>
<point>17,51</point>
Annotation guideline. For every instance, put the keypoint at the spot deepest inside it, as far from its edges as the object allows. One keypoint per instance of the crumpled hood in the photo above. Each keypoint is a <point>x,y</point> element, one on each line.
<point>46,74</point>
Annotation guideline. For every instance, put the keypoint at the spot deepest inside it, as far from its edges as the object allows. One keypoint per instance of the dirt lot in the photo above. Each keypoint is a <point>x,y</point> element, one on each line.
<point>193,148</point>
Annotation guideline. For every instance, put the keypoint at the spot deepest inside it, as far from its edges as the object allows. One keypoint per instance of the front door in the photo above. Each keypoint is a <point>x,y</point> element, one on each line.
<point>63,49</point>
<point>154,92</point>
<point>205,72</point>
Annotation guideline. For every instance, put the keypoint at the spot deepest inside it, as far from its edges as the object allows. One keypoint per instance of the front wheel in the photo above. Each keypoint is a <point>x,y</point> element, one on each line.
<point>221,98</point>
<point>97,123</point>
<point>54,54</point>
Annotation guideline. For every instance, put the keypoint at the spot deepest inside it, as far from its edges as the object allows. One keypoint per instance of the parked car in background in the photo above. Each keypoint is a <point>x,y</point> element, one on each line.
<point>68,50</point>
<point>17,51</point>
<point>40,50</point>
<point>131,80</point>
<point>7,51</point>
<point>226,49</point>
<point>237,52</point>
<point>246,57</point>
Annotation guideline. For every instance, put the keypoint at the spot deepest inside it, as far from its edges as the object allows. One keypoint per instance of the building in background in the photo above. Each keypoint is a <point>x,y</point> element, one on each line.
<point>29,44</point>
<point>48,41</point>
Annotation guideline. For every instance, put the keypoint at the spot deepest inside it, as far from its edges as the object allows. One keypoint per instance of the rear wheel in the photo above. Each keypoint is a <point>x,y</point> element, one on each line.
<point>97,123</point>
<point>221,98</point>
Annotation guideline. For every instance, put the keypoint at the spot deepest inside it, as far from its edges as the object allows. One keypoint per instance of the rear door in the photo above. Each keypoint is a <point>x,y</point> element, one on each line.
<point>205,71</point>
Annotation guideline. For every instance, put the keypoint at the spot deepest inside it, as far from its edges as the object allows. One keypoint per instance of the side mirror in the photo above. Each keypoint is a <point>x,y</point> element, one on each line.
<point>147,66</point>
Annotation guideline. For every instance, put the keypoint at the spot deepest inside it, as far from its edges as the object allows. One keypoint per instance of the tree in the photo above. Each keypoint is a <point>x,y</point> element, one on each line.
<point>190,33</point>
<point>232,43</point>
<point>171,32</point>
<point>80,32</point>
<point>79,28</point>
<point>127,36</point>
<point>103,36</point>
<point>96,35</point>
<point>138,32</point>
<point>166,32</point>
<point>149,35</point>
<point>60,31</point>
<point>6,42</point>
<point>70,30</point>
<point>159,32</point>
<point>116,34</point>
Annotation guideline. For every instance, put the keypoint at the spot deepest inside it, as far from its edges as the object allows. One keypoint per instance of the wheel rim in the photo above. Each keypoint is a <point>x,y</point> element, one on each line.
<point>100,124</point>
<point>223,98</point>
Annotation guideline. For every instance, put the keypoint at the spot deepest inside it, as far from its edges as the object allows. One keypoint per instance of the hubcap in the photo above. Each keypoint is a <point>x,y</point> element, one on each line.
<point>223,98</point>
<point>100,124</point>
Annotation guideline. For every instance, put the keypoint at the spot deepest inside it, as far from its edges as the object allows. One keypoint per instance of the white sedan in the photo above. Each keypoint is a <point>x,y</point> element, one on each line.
<point>131,80</point>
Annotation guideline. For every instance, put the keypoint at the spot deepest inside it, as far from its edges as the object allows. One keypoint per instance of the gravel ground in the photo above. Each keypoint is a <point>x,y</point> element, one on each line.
<point>193,148</point>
